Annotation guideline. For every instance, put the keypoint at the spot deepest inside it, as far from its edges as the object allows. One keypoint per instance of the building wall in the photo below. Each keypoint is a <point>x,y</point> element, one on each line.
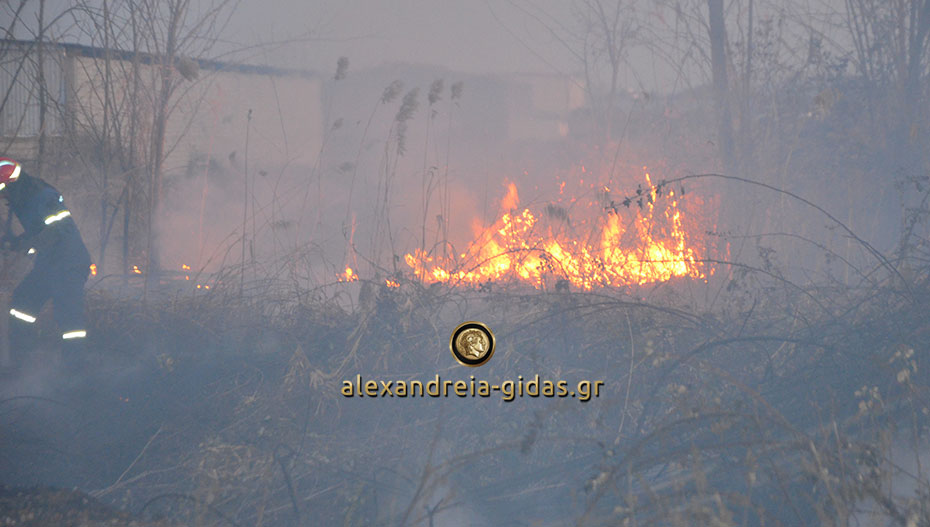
<point>212,137</point>
<point>208,115</point>
<point>285,127</point>
<point>205,148</point>
<point>19,95</point>
<point>541,106</point>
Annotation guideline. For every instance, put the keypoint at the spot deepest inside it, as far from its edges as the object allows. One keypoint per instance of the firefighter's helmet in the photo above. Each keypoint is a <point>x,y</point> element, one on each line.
<point>9,171</point>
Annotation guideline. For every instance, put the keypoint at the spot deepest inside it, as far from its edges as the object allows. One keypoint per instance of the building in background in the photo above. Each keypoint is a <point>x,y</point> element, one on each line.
<point>208,110</point>
<point>85,119</point>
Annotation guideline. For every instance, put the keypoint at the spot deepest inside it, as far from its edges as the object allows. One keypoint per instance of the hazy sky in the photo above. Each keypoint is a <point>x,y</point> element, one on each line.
<point>473,36</point>
<point>467,35</point>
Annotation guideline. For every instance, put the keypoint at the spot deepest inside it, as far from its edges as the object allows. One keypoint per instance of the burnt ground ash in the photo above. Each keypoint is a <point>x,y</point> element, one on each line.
<point>217,409</point>
<point>45,506</point>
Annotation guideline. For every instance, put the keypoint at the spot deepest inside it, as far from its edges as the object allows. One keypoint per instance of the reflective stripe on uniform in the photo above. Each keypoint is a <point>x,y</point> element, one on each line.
<point>74,334</point>
<point>25,317</point>
<point>57,216</point>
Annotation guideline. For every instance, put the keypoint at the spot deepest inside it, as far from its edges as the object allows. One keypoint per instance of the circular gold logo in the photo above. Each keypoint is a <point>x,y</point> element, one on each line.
<point>472,344</point>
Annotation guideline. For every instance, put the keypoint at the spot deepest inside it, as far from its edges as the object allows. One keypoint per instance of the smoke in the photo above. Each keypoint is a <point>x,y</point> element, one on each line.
<point>38,375</point>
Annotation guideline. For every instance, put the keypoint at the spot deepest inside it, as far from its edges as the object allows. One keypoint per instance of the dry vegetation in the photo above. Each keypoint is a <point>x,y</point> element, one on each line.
<point>790,389</point>
<point>780,404</point>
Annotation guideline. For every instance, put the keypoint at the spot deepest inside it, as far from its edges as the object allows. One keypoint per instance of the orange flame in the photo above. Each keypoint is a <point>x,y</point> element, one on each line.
<point>639,244</point>
<point>93,269</point>
<point>348,276</point>
<point>135,269</point>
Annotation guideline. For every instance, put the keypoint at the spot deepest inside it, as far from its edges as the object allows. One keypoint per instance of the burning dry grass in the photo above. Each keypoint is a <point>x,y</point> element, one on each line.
<point>623,241</point>
<point>766,403</point>
<point>768,409</point>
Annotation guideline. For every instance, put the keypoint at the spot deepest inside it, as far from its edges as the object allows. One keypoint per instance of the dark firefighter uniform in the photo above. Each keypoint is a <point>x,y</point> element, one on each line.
<point>62,262</point>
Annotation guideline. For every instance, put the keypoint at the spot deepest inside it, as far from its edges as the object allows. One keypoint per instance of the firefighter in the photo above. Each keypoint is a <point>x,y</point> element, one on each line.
<point>61,265</point>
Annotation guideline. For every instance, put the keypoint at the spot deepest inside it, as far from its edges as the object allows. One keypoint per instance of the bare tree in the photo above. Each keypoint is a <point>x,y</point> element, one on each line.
<point>891,42</point>
<point>609,30</point>
<point>149,62</point>
<point>599,37</point>
<point>718,58</point>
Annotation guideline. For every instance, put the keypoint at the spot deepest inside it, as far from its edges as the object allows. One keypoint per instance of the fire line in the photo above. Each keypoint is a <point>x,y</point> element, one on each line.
<point>642,243</point>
